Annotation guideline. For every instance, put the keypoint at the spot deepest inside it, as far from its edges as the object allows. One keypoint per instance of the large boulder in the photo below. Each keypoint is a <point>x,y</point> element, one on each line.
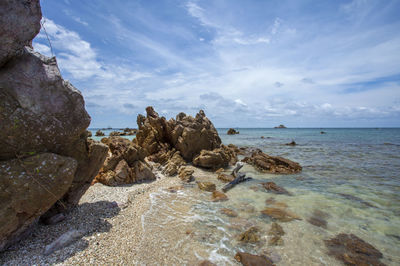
<point>217,158</point>
<point>188,135</point>
<point>28,188</point>
<point>19,24</point>
<point>125,164</point>
<point>40,113</point>
<point>272,164</point>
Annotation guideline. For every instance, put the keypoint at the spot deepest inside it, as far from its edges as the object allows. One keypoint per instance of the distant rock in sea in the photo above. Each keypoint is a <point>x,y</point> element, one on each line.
<point>280,126</point>
<point>232,131</point>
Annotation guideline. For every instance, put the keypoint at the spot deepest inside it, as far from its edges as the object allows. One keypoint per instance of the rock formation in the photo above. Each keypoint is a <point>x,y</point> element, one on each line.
<point>125,163</point>
<point>42,116</point>
<point>232,131</point>
<point>272,164</point>
<point>280,126</point>
<point>194,137</point>
<point>250,260</point>
<point>99,133</point>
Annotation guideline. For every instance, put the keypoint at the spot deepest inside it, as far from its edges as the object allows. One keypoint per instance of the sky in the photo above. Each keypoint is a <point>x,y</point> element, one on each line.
<point>246,63</point>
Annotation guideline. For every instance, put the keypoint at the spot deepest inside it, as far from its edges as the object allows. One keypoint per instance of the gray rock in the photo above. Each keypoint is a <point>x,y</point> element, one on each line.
<point>19,24</point>
<point>28,188</point>
<point>64,240</point>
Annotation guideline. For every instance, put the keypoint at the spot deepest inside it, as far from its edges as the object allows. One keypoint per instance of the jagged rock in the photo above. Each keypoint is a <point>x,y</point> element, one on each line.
<point>174,163</point>
<point>186,174</point>
<point>232,131</point>
<point>206,186</point>
<point>19,24</point>
<point>125,164</point>
<point>253,260</point>
<point>280,126</point>
<point>229,212</point>
<point>117,133</point>
<point>271,186</point>
<point>272,164</point>
<point>219,196</point>
<point>186,134</point>
<point>281,215</point>
<point>216,158</point>
<point>99,133</point>
<point>250,236</point>
<point>352,250</point>
<point>28,188</point>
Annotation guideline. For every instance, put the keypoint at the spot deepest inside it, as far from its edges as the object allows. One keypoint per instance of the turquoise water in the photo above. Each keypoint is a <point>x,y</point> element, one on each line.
<point>352,175</point>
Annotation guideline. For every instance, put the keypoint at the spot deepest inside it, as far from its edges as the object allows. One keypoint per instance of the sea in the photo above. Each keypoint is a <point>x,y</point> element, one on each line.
<point>350,180</point>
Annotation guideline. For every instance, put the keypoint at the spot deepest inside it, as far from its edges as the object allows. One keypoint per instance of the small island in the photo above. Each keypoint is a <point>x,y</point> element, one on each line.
<point>280,126</point>
<point>232,131</point>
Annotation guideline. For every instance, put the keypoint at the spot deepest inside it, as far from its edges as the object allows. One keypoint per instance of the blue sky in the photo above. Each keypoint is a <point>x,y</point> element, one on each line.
<point>245,63</point>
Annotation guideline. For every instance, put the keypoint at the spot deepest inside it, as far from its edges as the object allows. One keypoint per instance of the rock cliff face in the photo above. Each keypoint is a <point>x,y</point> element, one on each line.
<point>188,135</point>
<point>46,159</point>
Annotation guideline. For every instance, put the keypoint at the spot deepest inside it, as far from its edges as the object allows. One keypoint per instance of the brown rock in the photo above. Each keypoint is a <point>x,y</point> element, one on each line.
<point>272,164</point>
<point>232,131</point>
<point>175,189</point>
<point>352,250</point>
<point>276,230</point>
<point>271,186</point>
<point>206,186</point>
<point>219,196</point>
<point>206,263</point>
<point>275,241</point>
<point>186,174</point>
<point>229,212</point>
<point>220,170</point>
<point>253,260</point>
<point>281,215</point>
<point>250,235</point>
<point>28,188</point>
<point>226,178</point>
<point>217,158</point>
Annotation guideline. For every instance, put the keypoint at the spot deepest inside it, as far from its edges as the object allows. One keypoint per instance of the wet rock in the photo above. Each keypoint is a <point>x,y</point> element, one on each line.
<point>99,133</point>
<point>272,187</point>
<point>28,188</point>
<point>276,232</point>
<point>270,201</point>
<point>186,174</point>
<point>272,164</point>
<point>217,158</point>
<point>232,131</point>
<point>219,196</point>
<point>19,24</point>
<point>253,260</point>
<point>357,199</point>
<point>254,188</point>
<point>228,212</point>
<point>292,143</point>
<point>318,218</point>
<point>206,263</point>
<point>219,171</point>
<point>206,186</point>
<point>63,241</point>
<point>352,250</point>
<point>226,178</point>
<point>175,189</point>
<point>250,236</point>
<point>280,215</point>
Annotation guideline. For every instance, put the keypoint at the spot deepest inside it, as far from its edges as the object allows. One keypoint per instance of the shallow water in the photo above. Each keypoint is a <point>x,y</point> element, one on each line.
<point>351,175</point>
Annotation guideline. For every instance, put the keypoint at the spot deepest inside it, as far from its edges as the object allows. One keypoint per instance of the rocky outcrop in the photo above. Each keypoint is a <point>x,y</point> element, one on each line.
<point>272,164</point>
<point>99,133</point>
<point>28,188</point>
<point>40,113</point>
<point>186,174</point>
<point>125,164</point>
<point>19,24</point>
<point>188,135</point>
<point>352,250</point>
<point>232,131</point>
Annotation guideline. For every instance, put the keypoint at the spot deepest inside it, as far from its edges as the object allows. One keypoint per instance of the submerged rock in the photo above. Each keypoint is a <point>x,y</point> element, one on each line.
<point>272,164</point>
<point>251,235</point>
<point>276,232</point>
<point>352,250</point>
<point>226,178</point>
<point>318,218</point>
<point>280,215</point>
<point>206,186</point>
<point>228,212</point>
<point>253,260</point>
<point>219,196</point>
<point>232,131</point>
<point>206,263</point>
<point>271,186</point>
